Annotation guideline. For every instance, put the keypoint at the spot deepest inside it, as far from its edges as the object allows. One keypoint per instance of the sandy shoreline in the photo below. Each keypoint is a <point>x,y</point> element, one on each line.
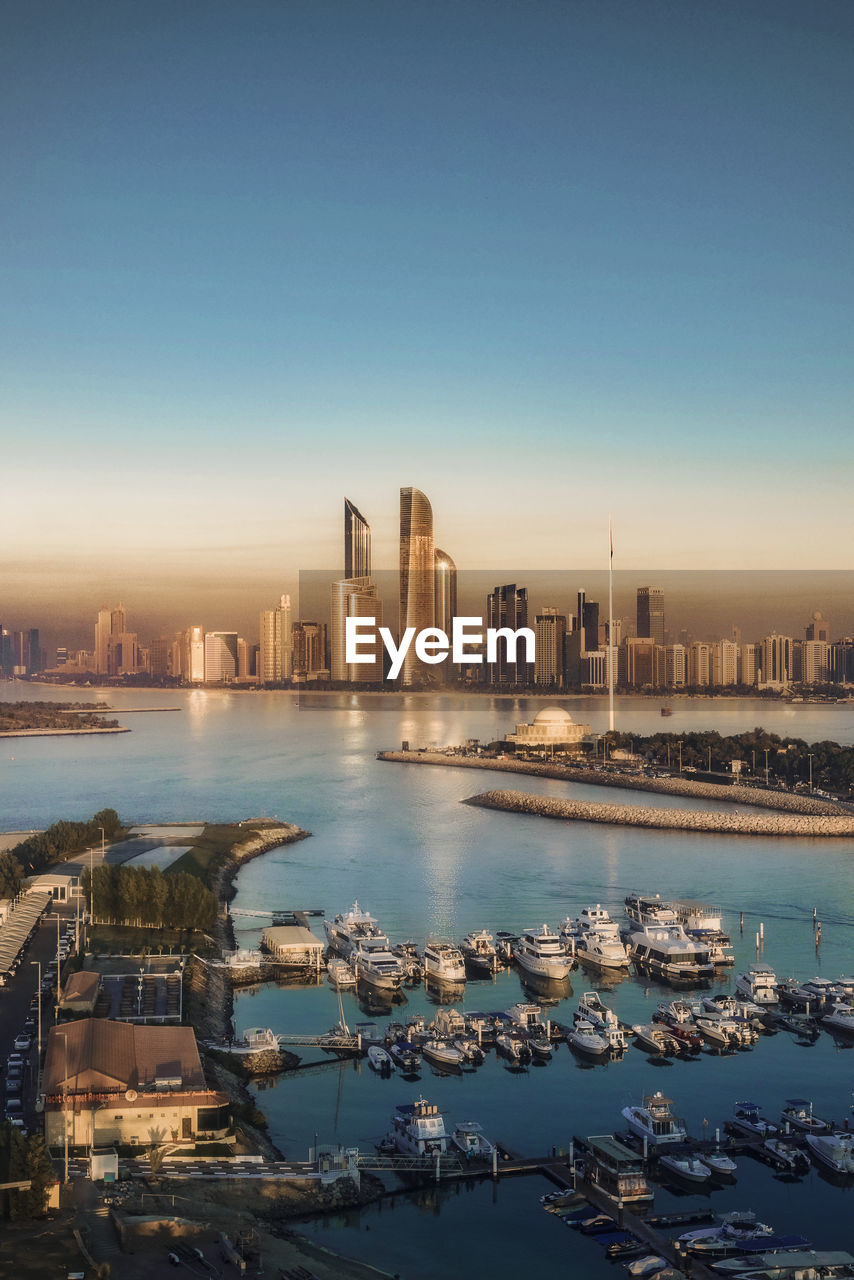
<point>59,733</point>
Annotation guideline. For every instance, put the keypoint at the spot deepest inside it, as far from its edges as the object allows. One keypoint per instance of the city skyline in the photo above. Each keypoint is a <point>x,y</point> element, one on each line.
<point>561,259</point>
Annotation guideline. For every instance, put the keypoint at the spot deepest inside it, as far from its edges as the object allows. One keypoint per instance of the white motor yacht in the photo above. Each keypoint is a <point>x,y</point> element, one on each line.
<point>441,1054</point>
<point>834,1150</point>
<point>469,1138</point>
<point>603,1019</point>
<point>541,952</point>
<point>655,1121</point>
<point>348,927</point>
<point>759,984</point>
<point>648,908</point>
<point>584,1037</point>
<point>719,1165</point>
<point>602,950</point>
<point>443,961</point>
<point>655,1039</point>
<point>685,1166</point>
<point>666,952</point>
<point>478,950</point>
<point>373,962</point>
<point>380,1060</point>
<point>418,1129</point>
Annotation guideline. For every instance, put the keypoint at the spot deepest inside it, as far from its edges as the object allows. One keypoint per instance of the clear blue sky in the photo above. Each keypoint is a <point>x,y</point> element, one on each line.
<point>541,260</point>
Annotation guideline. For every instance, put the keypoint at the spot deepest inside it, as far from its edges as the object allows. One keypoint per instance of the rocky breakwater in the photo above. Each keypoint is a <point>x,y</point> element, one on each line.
<point>753,824</point>
<point>676,786</point>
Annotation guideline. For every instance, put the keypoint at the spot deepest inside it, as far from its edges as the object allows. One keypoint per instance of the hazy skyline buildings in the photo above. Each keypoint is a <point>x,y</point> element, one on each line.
<point>650,613</point>
<point>357,543</point>
<point>417,584</point>
<point>275,643</point>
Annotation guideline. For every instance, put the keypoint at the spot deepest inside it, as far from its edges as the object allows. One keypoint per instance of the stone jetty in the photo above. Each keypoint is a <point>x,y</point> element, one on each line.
<point>719,822</point>
<point>778,800</point>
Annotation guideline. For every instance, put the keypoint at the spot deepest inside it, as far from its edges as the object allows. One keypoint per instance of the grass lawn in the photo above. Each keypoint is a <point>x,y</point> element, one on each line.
<point>116,939</point>
<point>210,850</point>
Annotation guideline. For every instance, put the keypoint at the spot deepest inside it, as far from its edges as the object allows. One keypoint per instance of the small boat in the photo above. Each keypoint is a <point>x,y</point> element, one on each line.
<point>514,1048</point>
<point>468,1137</point>
<point>604,1020</point>
<point>340,973</point>
<point>787,1157</point>
<point>798,1114</point>
<point>688,1167</point>
<point>470,1051</point>
<point>840,1020</point>
<point>650,1265</point>
<point>584,1038</point>
<point>406,1057</point>
<point>380,1060</point>
<point>540,1047</point>
<point>834,1150</point>
<point>655,1039</point>
<point>441,1054</point>
<point>719,1165</point>
<point>666,711</point>
<point>747,1118</point>
<point>721,1033</point>
<point>479,953</point>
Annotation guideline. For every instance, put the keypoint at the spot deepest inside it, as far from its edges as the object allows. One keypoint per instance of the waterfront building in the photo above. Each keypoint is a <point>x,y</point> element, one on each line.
<point>507,606</point>
<point>815,662</point>
<point>650,613</point>
<point>700,665</point>
<point>355,598</point>
<point>124,654</point>
<point>220,657</point>
<point>725,663</point>
<point>640,661</point>
<point>309,651</point>
<point>274,650</point>
<point>675,666</point>
<point>417,607</point>
<point>116,649</point>
<point>551,729</point>
<point>550,633</point>
<point>748,663</point>
<point>818,628</point>
<point>776,661</point>
<point>113,1082</point>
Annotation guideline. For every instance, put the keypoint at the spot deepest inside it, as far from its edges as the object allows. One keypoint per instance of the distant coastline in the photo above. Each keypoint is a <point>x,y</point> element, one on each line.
<point>60,733</point>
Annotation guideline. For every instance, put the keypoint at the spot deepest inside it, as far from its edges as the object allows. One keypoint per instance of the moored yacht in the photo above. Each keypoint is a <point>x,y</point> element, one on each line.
<point>348,927</point>
<point>542,953</point>
<point>602,950</point>
<point>759,984</point>
<point>469,1138</point>
<point>834,1150</point>
<point>373,962</point>
<point>688,1167</point>
<point>586,1038</point>
<point>478,950</point>
<point>840,1020</point>
<point>798,1113</point>
<point>443,962</point>
<point>747,1118</point>
<point>648,908</point>
<point>655,1121</point>
<point>666,952</point>
<point>418,1129</point>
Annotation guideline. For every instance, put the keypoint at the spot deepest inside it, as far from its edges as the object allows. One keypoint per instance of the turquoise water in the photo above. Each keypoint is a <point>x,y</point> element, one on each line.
<point>397,838</point>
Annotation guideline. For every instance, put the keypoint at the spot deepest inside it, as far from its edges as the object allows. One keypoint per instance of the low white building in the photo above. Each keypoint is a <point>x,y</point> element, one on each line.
<point>552,729</point>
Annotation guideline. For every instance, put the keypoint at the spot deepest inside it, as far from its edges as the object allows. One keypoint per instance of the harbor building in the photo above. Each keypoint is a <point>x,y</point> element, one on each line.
<point>293,944</point>
<point>113,1082</point>
<point>552,729</point>
<point>417,606</point>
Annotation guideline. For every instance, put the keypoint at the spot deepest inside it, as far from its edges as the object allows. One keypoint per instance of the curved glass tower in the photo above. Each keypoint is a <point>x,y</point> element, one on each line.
<point>417,578</point>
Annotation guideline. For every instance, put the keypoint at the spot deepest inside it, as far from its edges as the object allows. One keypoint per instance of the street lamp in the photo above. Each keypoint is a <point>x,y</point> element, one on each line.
<point>810,759</point>
<point>766,766</point>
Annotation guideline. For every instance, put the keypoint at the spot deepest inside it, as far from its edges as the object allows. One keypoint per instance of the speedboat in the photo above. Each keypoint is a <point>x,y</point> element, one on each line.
<point>470,1051</point>
<point>418,1129</point>
<point>655,1122</point>
<point>798,1114</point>
<point>514,1048</point>
<point>380,1060</point>
<point>407,954</point>
<point>840,1020</point>
<point>834,1150</point>
<point>721,1033</point>
<point>541,952</point>
<point>719,1165</point>
<point>441,1054</point>
<point>747,1118</point>
<point>654,1039</point>
<point>340,973</point>
<point>666,952</point>
<point>787,1157</point>
<point>686,1166</point>
<point>478,950</point>
<point>811,997</point>
<point>650,1265</point>
<point>584,1037</point>
<point>759,984</point>
<point>406,1057</point>
<point>469,1138</point>
<point>604,1020</point>
<point>443,961</point>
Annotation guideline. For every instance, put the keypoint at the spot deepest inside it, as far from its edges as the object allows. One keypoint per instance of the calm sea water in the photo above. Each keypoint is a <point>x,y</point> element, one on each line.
<point>397,838</point>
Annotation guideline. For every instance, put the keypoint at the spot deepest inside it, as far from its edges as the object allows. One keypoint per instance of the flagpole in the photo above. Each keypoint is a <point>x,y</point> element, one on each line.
<point>610,628</point>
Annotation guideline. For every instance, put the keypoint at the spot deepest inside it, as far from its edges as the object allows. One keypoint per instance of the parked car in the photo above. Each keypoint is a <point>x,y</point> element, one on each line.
<point>23,1042</point>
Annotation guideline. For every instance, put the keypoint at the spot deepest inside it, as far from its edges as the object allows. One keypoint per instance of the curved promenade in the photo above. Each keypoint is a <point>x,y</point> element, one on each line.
<point>752,824</point>
<point>777,800</point>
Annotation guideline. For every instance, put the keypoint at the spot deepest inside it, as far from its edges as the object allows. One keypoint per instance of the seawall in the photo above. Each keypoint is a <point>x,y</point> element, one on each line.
<point>753,824</point>
<point>777,800</point>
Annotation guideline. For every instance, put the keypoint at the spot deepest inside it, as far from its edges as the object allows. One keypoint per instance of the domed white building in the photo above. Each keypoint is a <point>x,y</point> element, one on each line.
<point>552,727</point>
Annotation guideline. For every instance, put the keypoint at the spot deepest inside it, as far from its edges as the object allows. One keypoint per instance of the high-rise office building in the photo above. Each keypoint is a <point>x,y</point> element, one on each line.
<point>818,628</point>
<point>640,661</point>
<point>160,657</point>
<point>507,606</point>
<point>275,652</point>
<point>550,632</point>
<point>650,613</point>
<point>220,657</point>
<point>725,663</point>
<point>102,641</point>
<point>309,644</point>
<point>195,669</point>
<point>445,591</point>
<point>357,543</point>
<point>417,580</point>
<point>699,664</point>
<point>777,660</point>
<point>587,621</point>
<point>116,649</point>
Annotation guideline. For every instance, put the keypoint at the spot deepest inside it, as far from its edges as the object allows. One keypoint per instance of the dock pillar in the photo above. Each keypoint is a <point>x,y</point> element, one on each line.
<point>495,1162</point>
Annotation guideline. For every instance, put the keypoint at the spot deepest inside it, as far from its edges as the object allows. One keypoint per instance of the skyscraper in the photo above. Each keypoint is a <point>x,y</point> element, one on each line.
<point>650,613</point>
<point>507,606</point>
<point>357,543</point>
<point>417,579</point>
<point>550,630</point>
<point>220,657</point>
<point>275,650</point>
